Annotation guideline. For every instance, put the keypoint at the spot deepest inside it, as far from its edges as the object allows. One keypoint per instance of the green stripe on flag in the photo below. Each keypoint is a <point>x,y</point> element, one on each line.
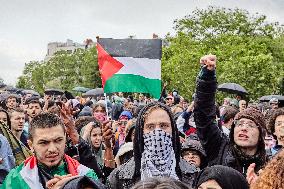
<point>133,83</point>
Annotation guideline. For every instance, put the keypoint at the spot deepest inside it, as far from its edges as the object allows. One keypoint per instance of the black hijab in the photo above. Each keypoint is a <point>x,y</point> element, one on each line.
<point>226,177</point>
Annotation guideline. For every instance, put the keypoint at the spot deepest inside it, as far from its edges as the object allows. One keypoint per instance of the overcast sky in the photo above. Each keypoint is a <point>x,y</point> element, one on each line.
<point>26,26</point>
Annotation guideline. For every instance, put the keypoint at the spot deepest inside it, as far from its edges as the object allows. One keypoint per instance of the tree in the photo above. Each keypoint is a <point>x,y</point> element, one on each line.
<point>63,70</point>
<point>250,50</point>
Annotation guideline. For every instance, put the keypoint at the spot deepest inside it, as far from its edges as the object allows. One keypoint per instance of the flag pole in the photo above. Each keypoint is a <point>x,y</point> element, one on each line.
<point>106,106</point>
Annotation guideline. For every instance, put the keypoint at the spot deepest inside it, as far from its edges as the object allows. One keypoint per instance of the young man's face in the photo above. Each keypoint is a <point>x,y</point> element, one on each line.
<point>17,121</point>
<point>169,101</point>
<point>274,106</point>
<point>192,156</point>
<point>48,145</point>
<point>246,133</point>
<point>158,119</point>
<point>33,109</point>
<point>242,105</point>
<point>185,105</point>
<point>279,128</point>
<point>11,103</point>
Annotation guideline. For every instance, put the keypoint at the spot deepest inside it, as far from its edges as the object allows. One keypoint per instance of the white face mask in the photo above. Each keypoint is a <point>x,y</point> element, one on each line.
<point>158,158</point>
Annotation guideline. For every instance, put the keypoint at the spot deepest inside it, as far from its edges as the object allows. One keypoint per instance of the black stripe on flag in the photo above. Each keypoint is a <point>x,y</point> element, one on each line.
<point>136,48</point>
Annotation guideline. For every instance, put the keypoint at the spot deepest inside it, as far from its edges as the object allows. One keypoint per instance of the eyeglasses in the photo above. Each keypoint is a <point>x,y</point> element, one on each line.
<point>248,125</point>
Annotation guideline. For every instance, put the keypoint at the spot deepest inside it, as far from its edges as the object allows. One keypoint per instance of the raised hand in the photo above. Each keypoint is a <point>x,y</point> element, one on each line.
<point>251,175</point>
<point>209,61</point>
<point>107,134</point>
<point>69,122</point>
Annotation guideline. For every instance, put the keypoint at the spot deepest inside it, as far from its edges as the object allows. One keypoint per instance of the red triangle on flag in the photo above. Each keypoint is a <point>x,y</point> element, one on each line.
<point>108,66</point>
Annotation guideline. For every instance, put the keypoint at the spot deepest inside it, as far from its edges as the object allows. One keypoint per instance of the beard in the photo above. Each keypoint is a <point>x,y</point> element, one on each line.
<point>40,158</point>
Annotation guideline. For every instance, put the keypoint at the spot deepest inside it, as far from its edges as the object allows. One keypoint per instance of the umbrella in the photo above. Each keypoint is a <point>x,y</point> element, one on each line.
<point>94,92</point>
<point>10,89</point>
<point>3,96</point>
<point>68,95</point>
<point>232,88</point>
<point>34,93</point>
<point>2,85</point>
<point>53,92</point>
<point>81,89</point>
<point>269,97</point>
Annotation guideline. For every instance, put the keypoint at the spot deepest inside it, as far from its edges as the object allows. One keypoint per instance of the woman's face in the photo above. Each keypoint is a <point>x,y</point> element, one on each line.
<point>210,184</point>
<point>96,137</point>
<point>3,118</point>
<point>99,109</point>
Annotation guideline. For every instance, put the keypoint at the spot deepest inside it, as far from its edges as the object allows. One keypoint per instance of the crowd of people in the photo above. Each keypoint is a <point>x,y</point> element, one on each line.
<point>133,141</point>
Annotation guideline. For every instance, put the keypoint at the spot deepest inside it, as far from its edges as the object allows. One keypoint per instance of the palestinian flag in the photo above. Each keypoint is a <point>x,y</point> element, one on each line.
<point>26,175</point>
<point>130,65</point>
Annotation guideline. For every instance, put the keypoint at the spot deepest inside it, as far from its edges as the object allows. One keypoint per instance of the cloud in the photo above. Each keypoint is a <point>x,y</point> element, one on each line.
<point>28,26</point>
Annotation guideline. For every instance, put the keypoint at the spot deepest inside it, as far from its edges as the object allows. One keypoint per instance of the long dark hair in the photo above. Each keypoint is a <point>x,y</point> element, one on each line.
<point>8,117</point>
<point>139,141</point>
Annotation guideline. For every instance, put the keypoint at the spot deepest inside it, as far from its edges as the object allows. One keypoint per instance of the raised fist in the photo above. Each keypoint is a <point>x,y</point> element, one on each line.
<point>209,61</point>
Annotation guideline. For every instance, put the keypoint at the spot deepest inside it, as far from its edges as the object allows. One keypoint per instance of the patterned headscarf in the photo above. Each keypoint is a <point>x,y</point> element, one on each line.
<point>158,158</point>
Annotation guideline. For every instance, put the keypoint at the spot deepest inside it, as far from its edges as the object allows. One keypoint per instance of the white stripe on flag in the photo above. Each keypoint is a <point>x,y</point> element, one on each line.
<point>149,68</point>
<point>83,170</point>
<point>31,176</point>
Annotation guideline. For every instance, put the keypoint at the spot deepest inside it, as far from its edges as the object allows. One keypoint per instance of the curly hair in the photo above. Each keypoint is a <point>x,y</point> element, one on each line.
<point>272,176</point>
<point>271,122</point>
<point>45,120</point>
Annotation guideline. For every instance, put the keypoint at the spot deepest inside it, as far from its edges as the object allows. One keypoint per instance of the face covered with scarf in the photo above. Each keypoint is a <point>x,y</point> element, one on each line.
<point>100,113</point>
<point>158,157</point>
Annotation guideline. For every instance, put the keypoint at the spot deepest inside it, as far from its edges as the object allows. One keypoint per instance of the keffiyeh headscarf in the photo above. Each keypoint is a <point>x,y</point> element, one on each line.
<point>158,158</point>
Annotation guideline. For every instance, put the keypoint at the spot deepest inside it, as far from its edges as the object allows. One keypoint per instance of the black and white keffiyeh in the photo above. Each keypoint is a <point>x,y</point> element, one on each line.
<point>158,157</point>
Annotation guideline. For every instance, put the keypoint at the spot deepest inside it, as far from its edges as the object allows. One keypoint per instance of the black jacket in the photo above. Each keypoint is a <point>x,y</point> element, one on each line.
<point>82,182</point>
<point>130,172</point>
<point>83,153</point>
<point>123,177</point>
<point>219,148</point>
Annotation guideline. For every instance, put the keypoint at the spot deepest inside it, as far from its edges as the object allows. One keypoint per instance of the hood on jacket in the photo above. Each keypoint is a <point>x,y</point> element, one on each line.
<point>226,177</point>
<point>125,148</point>
<point>195,145</point>
<point>139,140</point>
<point>191,144</point>
<point>83,182</point>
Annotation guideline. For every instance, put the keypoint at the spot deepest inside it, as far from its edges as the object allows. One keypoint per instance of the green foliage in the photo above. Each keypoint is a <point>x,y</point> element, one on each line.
<point>250,50</point>
<point>63,71</point>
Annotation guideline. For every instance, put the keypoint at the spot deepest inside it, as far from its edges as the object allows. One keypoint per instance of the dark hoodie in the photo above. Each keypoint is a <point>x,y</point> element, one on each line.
<point>220,149</point>
<point>128,174</point>
<point>226,177</point>
<point>195,145</point>
<point>83,182</point>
